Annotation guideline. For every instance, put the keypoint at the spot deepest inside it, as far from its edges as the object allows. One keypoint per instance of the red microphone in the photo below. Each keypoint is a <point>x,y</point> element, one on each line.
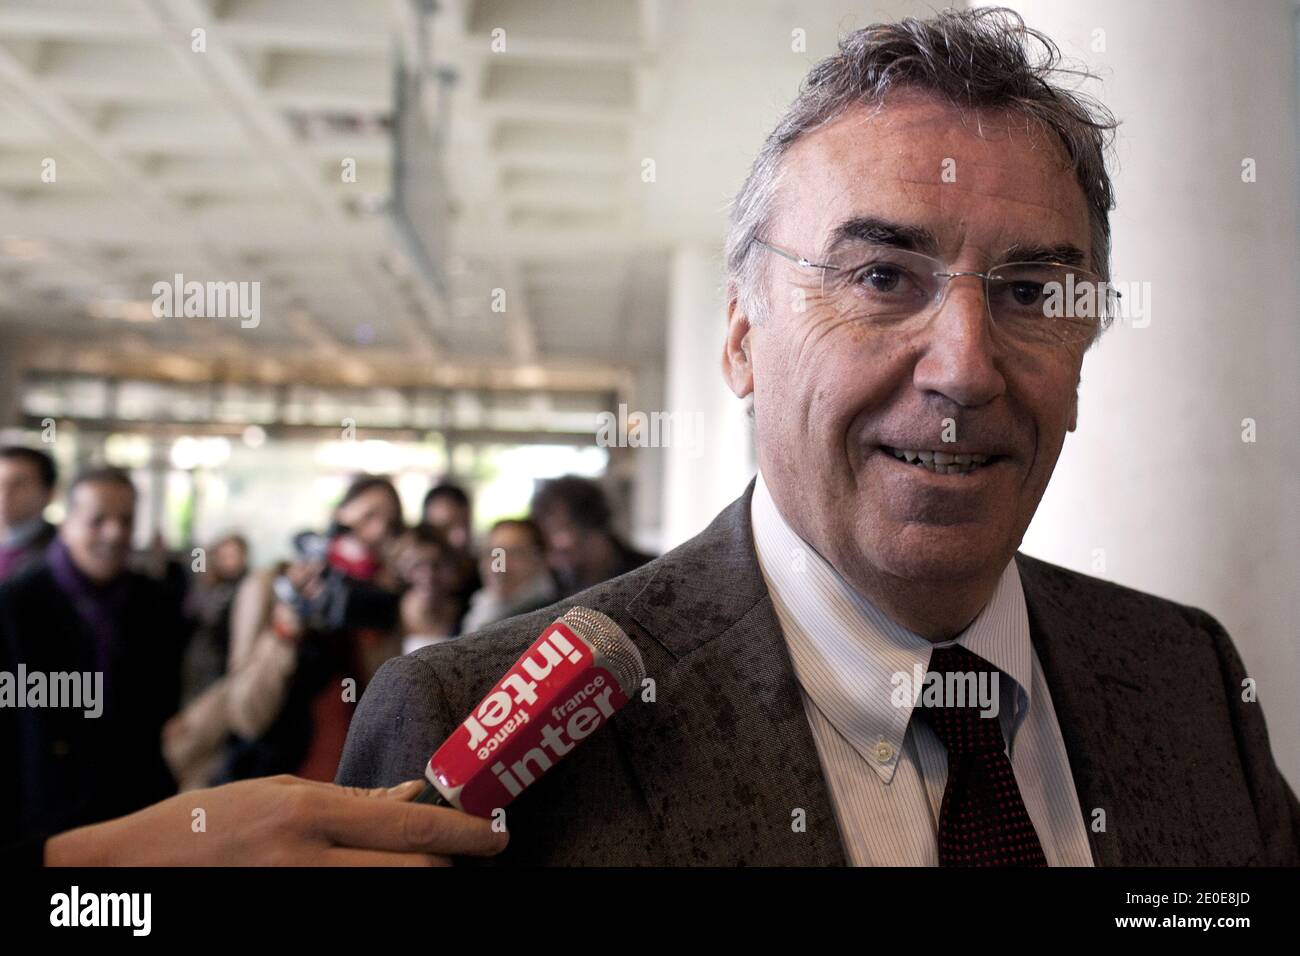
<point>563,689</point>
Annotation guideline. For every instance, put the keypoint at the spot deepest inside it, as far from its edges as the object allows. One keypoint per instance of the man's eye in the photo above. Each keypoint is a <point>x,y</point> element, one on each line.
<point>881,278</point>
<point>1027,293</point>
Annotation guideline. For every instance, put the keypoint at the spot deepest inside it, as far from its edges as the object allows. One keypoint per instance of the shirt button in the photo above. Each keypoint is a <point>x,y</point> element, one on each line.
<point>884,751</point>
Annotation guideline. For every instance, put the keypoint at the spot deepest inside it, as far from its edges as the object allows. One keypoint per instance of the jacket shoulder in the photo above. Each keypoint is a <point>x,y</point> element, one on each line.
<point>476,660</point>
<point>31,589</point>
<point>421,696</point>
<point>1083,595</point>
<point>702,560</point>
<point>414,701</point>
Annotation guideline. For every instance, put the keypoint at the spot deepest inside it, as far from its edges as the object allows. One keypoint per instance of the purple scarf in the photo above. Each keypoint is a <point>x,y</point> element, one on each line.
<point>21,545</point>
<point>10,559</point>
<point>100,606</point>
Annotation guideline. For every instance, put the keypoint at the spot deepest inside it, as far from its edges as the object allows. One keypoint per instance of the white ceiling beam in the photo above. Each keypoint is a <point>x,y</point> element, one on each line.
<point>248,32</point>
<point>222,70</point>
<point>96,23</point>
<point>65,123</point>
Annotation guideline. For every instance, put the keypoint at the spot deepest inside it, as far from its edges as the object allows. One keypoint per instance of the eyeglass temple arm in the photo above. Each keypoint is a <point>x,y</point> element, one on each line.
<point>798,260</point>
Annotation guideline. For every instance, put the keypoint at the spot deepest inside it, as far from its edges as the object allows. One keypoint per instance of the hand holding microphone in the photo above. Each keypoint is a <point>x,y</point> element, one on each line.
<point>281,821</point>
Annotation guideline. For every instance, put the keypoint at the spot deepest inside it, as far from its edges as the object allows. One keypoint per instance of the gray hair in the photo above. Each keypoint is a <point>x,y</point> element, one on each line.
<point>982,58</point>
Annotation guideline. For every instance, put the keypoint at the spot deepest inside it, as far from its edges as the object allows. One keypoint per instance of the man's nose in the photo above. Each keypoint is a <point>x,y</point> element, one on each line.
<point>959,350</point>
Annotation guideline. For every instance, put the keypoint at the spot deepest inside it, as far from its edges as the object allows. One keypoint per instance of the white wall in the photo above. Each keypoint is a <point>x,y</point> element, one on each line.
<point>700,480</point>
<point>1157,474</point>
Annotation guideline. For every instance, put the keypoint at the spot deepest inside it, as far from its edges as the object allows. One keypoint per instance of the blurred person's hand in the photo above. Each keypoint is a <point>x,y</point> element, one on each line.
<point>282,821</point>
<point>173,730</point>
<point>308,580</point>
<point>307,577</point>
<point>286,622</point>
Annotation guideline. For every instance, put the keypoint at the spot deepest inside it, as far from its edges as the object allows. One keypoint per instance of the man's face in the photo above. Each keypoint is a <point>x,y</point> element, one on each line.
<point>451,518</point>
<point>832,392</point>
<point>97,529</point>
<point>523,559</point>
<point>565,541</point>
<point>22,496</point>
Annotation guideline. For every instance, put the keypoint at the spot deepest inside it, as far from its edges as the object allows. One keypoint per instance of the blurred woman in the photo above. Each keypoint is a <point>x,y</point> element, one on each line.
<point>208,604</point>
<point>433,575</point>
<point>306,637</point>
<point>515,577</point>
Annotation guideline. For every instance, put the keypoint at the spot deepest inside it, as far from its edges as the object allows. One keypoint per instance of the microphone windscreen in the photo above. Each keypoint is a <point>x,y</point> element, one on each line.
<point>613,647</point>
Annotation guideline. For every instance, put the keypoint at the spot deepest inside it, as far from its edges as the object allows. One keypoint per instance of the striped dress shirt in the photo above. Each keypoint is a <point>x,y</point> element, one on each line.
<point>886,772</point>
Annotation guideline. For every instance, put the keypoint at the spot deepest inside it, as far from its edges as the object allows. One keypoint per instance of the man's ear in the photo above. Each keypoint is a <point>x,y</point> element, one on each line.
<point>737,365</point>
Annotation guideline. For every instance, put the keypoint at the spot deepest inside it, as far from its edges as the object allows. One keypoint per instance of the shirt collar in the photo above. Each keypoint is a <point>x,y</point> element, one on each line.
<point>22,534</point>
<point>846,652</point>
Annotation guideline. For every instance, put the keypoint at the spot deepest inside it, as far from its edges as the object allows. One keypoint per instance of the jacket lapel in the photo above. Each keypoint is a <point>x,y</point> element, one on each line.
<point>724,755</point>
<point>1138,699</point>
<point>1080,692</point>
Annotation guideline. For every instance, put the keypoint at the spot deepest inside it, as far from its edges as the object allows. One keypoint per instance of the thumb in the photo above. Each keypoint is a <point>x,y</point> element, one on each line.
<point>403,791</point>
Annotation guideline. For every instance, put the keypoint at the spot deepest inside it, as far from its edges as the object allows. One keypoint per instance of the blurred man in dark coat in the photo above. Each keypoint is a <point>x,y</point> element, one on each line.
<point>89,671</point>
<point>27,478</point>
<point>577,523</point>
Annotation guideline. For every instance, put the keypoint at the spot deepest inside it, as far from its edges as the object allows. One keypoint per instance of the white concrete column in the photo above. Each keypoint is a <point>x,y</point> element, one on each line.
<point>1157,489</point>
<point>705,473</point>
<point>648,484</point>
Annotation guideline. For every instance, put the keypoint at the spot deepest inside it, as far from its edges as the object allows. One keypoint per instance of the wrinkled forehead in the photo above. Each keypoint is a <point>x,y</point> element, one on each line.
<point>981,179</point>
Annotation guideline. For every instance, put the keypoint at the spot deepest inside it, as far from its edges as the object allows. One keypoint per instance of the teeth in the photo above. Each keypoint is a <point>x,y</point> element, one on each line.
<point>941,462</point>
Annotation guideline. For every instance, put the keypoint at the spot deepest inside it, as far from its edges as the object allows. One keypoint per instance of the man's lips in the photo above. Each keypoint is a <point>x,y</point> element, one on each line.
<point>947,451</point>
<point>953,459</point>
<point>987,451</point>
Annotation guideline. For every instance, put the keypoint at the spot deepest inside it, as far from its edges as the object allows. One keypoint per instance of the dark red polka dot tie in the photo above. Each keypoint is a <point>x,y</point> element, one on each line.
<point>983,821</point>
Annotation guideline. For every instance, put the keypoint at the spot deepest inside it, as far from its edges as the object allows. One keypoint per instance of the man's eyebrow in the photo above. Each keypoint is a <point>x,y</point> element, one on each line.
<point>884,233</point>
<point>1066,253</point>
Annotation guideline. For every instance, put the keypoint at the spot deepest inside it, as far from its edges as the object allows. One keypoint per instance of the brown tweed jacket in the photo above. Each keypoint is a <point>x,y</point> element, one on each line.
<point>1147,693</point>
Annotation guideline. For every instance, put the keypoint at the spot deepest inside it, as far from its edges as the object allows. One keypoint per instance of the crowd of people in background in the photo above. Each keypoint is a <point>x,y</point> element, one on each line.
<point>213,670</point>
